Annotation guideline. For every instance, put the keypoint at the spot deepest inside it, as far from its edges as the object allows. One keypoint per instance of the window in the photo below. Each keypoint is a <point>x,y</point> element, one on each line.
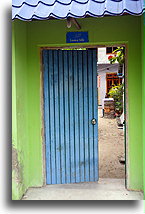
<point>109,50</point>
<point>112,80</point>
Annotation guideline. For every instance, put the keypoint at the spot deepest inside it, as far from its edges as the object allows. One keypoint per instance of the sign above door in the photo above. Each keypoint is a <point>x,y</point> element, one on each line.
<point>77,37</point>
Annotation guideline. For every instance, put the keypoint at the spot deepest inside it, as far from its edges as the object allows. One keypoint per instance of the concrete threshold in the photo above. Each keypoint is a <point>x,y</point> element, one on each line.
<point>104,189</point>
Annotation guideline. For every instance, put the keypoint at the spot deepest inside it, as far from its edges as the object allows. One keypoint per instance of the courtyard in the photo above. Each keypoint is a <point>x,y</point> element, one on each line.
<point>111,148</point>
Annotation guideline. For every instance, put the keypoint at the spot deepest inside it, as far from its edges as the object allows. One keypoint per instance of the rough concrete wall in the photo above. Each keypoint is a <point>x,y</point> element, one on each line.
<point>17,174</point>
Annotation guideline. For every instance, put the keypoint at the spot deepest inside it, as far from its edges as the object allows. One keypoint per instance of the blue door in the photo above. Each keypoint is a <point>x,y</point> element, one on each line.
<point>70,116</point>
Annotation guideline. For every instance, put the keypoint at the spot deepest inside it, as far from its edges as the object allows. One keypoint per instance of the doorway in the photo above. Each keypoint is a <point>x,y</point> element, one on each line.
<point>76,162</point>
<point>111,126</point>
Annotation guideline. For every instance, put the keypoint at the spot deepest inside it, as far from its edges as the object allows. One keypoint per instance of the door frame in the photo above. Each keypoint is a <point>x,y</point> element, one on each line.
<point>126,152</point>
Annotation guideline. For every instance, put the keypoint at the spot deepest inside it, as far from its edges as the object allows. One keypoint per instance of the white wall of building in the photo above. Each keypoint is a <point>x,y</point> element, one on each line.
<point>102,56</point>
<point>102,69</point>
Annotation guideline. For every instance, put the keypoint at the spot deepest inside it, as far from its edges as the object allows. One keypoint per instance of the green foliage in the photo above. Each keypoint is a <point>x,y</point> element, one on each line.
<point>119,56</point>
<point>116,92</point>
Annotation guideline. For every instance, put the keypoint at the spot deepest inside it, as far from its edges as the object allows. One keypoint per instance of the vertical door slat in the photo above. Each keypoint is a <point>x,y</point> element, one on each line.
<point>71,117</point>
<point>81,119</point>
<point>91,162</point>
<point>52,122</point>
<point>47,117</point>
<point>61,122</point>
<point>76,116</point>
<point>56,117</point>
<point>86,116</point>
<point>95,112</point>
<point>66,95</point>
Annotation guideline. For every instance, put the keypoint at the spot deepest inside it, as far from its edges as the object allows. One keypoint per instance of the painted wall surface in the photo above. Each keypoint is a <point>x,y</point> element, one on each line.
<point>143,54</point>
<point>20,146</point>
<point>107,30</point>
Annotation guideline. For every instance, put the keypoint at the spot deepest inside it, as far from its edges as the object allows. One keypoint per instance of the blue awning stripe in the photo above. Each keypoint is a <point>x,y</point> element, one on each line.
<point>71,15</point>
<point>21,3</point>
<point>41,10</point>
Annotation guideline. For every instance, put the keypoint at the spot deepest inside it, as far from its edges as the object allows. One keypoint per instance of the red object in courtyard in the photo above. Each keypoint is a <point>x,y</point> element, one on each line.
<point>110,57</point>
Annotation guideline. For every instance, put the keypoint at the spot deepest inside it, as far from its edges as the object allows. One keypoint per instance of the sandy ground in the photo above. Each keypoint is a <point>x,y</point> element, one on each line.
<point>111,148</point>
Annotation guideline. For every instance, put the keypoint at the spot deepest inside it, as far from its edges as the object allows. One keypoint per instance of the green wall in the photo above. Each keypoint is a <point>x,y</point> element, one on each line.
<point>143,99</point>
<point>20,140</point>
<point>107,30</point>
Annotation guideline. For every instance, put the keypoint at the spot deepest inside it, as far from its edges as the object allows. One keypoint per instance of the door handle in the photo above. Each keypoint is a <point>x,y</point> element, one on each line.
<point>93,121</point>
